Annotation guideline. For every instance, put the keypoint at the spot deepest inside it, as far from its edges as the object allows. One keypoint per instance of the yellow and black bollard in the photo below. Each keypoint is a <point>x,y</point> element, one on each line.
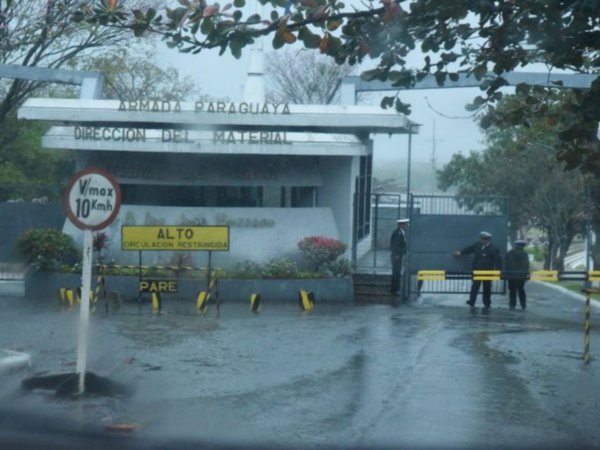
<point>255,303</point>
<point>100,292</point>
<point>306,300</point>
<point>78,296</point>
<point>587,327</point>
<point>156,302</point>
<point>587,324</point>
<point>66,296</point>
<point>202,301</point>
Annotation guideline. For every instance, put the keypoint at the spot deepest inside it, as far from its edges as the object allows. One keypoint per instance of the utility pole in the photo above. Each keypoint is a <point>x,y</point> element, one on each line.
<point>434,141</point>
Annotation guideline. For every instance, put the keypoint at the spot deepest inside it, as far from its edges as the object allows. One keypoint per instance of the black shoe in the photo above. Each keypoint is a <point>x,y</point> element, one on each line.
<point>472,305</point>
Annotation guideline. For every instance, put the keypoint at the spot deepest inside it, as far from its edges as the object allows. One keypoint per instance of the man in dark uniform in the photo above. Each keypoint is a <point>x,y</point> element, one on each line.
<point>398,248</point>
<point>486,257</point>
<point>517,270</point>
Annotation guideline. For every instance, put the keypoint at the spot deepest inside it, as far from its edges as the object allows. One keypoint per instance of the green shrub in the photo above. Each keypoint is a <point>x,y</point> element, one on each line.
<point>47,249</point>
<point>319,250</point>
<point>539,253</point>
<point>280,268</point>
<point>246,270</point>
<point>340,268</point>
<point>276,268</point>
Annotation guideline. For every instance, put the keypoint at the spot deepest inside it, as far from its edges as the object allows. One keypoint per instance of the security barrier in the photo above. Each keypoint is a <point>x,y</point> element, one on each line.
<point>497,275</point>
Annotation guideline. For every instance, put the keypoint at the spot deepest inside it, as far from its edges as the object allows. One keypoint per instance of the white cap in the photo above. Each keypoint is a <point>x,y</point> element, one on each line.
<point>485,235</point>
<point>403,220</point>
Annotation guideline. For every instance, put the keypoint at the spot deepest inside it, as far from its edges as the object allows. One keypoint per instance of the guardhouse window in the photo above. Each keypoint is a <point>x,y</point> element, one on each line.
<point>219,196</point>
<point>362,203</point>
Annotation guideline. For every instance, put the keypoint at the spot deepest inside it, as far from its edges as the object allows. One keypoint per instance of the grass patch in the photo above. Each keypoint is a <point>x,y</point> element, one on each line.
<point>576,286</point>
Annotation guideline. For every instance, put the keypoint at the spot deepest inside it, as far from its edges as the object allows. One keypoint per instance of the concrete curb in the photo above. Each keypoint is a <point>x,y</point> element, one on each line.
<point>574,295</point>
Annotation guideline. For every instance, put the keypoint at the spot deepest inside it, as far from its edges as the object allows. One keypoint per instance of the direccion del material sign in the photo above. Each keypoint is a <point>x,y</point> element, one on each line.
<point>207,238</point>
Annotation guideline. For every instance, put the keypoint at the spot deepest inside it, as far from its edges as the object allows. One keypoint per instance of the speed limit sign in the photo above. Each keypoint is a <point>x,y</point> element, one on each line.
<point>92,199</point>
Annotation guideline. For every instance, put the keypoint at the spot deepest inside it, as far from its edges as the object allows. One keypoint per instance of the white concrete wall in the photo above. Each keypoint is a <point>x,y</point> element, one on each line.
<point>256,234</point>
<point>339,174</point>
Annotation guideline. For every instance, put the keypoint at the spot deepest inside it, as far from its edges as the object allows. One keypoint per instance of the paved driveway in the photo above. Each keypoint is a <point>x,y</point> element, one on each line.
<point>432,374</point>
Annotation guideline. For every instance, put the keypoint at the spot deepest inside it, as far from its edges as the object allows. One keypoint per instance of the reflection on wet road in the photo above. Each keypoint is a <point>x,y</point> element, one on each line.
<point>431,374</point>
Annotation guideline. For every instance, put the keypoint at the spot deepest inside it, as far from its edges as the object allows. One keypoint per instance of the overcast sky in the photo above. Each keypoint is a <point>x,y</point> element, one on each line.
<point>223,76</point>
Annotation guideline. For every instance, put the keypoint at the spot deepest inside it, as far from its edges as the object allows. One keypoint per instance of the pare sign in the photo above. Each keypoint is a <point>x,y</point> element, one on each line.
<point>162,286</point>
<point>92,199</point>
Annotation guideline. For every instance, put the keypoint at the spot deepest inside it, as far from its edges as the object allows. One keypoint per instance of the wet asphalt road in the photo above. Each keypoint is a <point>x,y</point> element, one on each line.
<point>432,374</point>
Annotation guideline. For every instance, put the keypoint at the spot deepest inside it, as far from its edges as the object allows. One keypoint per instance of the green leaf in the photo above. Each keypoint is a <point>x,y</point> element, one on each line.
<point>206,26</point>
<point>480,71</point>
<point>402,78</point>
<point>387,102</point>
<point>309,39</point>
<point>253,19</point>
<point>278,41</point>
<point>239,3</point>
<point>403,108</point>
<point>440,78</point>
<point>370,75</point>
<point>486,121</point>
<point>236,48</point>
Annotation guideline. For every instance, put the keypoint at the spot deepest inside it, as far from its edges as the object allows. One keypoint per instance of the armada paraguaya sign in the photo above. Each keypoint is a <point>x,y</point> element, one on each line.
<point>130,134</point>
<point>175,238</point>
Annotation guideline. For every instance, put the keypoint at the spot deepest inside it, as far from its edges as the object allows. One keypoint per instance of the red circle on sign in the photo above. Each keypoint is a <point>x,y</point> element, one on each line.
<point>103,222</point>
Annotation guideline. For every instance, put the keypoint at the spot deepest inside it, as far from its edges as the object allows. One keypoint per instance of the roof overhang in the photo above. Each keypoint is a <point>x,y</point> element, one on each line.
<point>352,119</point>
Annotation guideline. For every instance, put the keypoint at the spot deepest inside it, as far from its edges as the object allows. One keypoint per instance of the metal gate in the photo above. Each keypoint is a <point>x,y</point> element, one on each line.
<point>439,224</point>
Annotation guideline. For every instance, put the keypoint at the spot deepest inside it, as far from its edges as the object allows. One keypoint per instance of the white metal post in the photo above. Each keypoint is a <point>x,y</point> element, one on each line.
<point>84,316</point>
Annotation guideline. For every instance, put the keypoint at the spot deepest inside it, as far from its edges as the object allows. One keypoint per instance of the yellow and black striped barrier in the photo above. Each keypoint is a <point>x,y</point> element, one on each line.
<point>496,275</point>
<point>431,275</point>
<point>486,275</point>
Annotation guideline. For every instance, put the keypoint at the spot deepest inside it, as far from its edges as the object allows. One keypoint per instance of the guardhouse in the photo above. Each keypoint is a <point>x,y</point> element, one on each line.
<point>275,173</point>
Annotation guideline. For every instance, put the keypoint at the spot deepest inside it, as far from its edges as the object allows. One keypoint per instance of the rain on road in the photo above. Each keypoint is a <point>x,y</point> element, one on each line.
<point>432,374</point>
